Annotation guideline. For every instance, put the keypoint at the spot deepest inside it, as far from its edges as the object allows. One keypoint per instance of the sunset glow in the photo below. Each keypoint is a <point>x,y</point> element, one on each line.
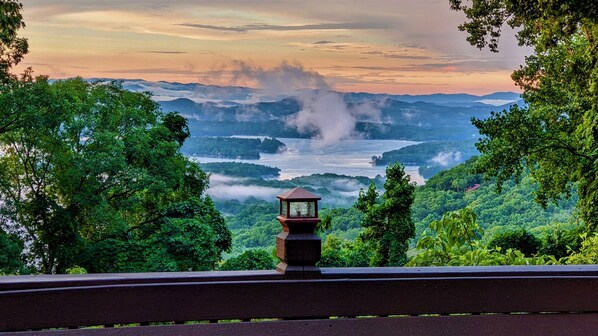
<point>401,46</point>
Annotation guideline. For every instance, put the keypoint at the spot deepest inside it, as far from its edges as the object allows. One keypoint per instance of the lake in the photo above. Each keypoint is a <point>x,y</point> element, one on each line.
<point>349,157</point>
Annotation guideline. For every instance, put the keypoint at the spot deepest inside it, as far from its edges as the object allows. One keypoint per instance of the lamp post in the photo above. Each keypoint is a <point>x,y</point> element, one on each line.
<point>297,246</point>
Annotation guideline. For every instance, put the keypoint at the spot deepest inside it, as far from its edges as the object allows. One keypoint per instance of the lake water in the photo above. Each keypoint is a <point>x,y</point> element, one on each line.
<point>349,157</point>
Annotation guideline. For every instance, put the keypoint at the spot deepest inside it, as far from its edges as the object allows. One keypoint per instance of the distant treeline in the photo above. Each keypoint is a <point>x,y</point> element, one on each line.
<point>241,169</point>
<point>434,153</point>
<point>231,148</point>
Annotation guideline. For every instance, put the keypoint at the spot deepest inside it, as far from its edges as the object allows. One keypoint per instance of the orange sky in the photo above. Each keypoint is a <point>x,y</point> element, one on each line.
<point>401,46</point>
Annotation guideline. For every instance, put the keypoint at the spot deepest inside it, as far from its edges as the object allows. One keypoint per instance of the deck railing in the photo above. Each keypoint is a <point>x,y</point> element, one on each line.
<point>302,299</point>
<point>508,300</point>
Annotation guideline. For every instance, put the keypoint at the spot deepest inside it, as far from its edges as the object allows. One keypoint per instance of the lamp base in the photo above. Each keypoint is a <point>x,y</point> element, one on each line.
<point>299,272</point>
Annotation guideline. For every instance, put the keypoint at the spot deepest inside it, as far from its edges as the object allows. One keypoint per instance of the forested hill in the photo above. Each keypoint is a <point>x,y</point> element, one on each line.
<point>450,190</point>
<point>515,206</point>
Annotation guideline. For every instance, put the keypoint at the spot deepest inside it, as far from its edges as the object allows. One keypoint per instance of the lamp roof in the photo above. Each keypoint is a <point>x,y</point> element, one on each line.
<point>298,194</point>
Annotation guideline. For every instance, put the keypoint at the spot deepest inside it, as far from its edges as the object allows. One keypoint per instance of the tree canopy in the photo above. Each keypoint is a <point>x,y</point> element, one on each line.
<point>12,51</point>
<point>388,223</point>
<point>556,135</point>
<point>98,168</point>
<point>12,47</point>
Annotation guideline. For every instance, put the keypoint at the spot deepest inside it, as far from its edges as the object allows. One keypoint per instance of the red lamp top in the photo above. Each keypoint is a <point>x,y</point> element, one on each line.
<point>298,194</point>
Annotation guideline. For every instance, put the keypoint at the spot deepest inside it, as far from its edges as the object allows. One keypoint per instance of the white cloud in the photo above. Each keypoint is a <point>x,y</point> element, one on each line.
<point>323,112</point>
<point>447,158</point>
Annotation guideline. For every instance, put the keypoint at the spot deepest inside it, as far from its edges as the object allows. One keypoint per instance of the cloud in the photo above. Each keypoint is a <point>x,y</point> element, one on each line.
<point>449,158</point>
<point>163,52</point>
<point>284,78</point>
<point>323,42</point>
<point>226,187</point>
<point>323,113</point>
<point>241,192</point>
<point>269,27</point>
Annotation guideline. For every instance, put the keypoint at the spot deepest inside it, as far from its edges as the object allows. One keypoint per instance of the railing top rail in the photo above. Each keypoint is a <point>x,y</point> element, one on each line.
<point>459,271</point>
<point>64,280</point>
<point>76,280</point>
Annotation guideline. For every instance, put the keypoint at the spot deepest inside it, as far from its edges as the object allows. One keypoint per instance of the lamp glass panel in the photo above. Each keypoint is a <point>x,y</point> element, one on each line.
<point>283,208</point>
<point>303,209</point>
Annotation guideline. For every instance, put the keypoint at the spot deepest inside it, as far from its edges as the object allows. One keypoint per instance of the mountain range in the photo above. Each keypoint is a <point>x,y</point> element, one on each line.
<point>214,110</point>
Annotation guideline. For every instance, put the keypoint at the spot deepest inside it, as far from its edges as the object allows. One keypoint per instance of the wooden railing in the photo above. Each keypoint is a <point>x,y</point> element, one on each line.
<point>509,300</point>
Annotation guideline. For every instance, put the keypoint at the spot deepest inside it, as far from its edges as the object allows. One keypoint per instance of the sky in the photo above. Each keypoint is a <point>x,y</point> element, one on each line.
<point>380,46</point>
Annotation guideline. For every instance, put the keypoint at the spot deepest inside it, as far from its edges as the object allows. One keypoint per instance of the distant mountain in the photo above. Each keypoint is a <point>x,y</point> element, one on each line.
<point>231,95</point>
<point>214,110</point>
<point>457,100</point>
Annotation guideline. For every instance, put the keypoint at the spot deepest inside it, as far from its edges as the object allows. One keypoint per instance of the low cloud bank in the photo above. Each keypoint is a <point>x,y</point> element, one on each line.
<point>449,158</point>
<point>324,112</point>
<point>227,188</point>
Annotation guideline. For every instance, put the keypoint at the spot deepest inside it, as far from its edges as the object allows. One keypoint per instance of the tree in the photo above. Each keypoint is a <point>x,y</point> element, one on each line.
<point>10,257</point>
<point>99,166</point>
<point>588,253</point>
<point>454,240</point>
<point>12,47</point>
<point>556,135</point>
<point>257,259</point>
<point>388,223</point>
<point>517,239</point>
<point>12,50</point>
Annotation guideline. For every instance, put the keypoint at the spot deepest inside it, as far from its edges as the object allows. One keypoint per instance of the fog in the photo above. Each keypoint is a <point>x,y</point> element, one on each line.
<point>323,113</point>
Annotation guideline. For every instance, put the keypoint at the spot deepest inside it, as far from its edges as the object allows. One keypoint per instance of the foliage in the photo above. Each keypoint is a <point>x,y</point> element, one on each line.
<point>233,148</point>
<point>458,178</point>
<point>518,239</point>
<point>454,234</point>
<point>189,237</point>
<point>272,146</point>
<point>514,207</point>
<point>12,47</point>
<point>76,270</point>
<point>455,152</point>
<point>255,227</point>
<point>220,147</point>
<point>560,241</point>
<point>455,241</point>
<point>10,254</point>
<point>256,259</point>
<point>97,164</point>
<point>428,171</point>
<point>344,223</point>
<point>241,169</point>
<point>388,224</point>
<point>556,136</point>
<point>338,252</point>
<point>588,253</point>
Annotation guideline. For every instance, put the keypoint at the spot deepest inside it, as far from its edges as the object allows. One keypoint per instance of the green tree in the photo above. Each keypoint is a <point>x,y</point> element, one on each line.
<point>518,239</point>
<point>97,164</point>
<point>454,240</point>
<point>12,47</point>
<point>561,241</point>
<point>257,259</point>
<point>588,253</point>
<point>11,248</point>
<point>387,222</point>
<point>556,135</point>
<point>12,50</point>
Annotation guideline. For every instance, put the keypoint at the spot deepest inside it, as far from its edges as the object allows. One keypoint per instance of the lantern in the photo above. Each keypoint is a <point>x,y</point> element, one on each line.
<point>297,246</point>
